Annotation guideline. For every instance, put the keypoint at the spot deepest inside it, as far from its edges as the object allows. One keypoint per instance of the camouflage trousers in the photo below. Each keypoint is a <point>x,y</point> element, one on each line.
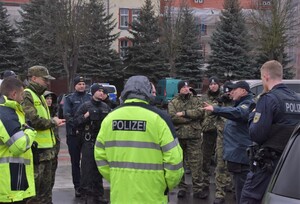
<point>43,177</point>
<point>55,161</point>
<point>192,155</point>
<point>208,147</point>
<point>222,177</point>
<point>214,140</point>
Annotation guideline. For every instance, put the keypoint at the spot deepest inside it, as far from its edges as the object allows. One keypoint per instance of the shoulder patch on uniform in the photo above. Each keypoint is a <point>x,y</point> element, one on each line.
<point>244,106</point>
<point>256,117</point>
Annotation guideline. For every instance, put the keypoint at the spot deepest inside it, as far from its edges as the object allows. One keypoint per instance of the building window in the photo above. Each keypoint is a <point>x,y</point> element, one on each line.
<point>266,3</point>
<point>124,18</point>
<point>135,14</point>
<point>198,1</point>
<point>203,29</point>
<point>127,16</point>
<point>123,45</point>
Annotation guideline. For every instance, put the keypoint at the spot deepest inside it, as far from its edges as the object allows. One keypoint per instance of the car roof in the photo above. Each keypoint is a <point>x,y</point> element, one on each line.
<point>255,82</point>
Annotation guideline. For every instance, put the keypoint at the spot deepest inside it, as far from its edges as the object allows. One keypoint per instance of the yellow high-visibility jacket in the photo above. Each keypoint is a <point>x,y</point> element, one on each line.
<point>44,138</point>
<point>16,163</point>
<point>138,153</point>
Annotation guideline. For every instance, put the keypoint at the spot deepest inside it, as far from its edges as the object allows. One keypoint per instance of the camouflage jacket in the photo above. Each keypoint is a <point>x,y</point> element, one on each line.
<point>213,122</point>
<point>189,125</point>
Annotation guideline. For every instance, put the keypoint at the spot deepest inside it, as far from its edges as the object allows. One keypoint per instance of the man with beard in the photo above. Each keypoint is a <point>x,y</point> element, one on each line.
<point>37,113</point>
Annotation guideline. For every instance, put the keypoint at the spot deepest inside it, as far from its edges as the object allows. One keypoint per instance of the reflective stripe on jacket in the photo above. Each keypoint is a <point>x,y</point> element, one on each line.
<point>16,165</point>
<point>137,153</point>
<point>44,138</point>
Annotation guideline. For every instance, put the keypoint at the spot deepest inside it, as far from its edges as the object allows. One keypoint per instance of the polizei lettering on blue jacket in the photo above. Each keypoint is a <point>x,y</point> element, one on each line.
<point>129,125</point>
<point>292,107</point>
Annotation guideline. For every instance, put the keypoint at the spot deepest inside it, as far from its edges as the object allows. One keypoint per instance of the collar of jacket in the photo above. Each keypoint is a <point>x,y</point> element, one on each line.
<point>184,96</point>
<point>80,93</point>
<point>4,101</point>
<point>96,103</point>
<point>213,94</point>
<point>37,88</point>
<point>135,100</point>
<point>249,96</point>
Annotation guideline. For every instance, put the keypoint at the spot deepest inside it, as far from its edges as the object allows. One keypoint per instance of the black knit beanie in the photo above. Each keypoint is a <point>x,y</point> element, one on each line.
<point>181,84</point>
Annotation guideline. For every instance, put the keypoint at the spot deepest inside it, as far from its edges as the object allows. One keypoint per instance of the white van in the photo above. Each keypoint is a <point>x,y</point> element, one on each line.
<point>256,86</point>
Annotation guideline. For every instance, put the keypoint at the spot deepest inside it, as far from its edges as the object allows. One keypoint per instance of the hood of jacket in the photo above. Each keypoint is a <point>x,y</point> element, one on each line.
<point>138,87</point>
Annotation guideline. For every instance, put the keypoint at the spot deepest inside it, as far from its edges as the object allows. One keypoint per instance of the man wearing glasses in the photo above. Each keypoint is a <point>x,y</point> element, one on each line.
<point>37,113</point>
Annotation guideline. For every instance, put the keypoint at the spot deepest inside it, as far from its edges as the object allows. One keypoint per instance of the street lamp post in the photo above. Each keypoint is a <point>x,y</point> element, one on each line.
<point>228,74</point>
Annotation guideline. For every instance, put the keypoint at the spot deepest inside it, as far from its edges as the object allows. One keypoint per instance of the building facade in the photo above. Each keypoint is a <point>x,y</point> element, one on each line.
<point>207,14</point>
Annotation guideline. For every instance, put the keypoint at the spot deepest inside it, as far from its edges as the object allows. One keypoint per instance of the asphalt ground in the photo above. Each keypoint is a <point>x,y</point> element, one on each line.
<point>63,191</point>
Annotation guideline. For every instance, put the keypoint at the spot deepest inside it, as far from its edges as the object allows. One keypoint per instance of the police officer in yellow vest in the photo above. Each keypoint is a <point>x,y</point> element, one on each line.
<point>136,149</point>
<point>37,113</point>
<point>16,138</point>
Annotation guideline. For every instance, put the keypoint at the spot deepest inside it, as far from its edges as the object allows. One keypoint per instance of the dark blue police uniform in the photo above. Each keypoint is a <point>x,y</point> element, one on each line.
<point>236,139</point>
<point>72,102</point>
<point>271,125</point>
<point>91,183</point>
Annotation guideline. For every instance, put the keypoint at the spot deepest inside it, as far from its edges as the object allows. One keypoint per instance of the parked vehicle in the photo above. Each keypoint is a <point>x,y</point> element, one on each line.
<point>166,89</point>
<point>256,86</point>
<point>284,186</point>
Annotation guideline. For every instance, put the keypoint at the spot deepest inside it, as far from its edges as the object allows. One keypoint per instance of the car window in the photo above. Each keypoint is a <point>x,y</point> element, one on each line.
<point>110,89</point>
<point>159,90</point>
<point>257,89</point>
<point>295,87</point>
<point>288,180</point>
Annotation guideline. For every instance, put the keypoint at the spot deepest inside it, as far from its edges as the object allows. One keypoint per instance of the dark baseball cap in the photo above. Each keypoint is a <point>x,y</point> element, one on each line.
<point>240,84</point>
<point>226,86</point>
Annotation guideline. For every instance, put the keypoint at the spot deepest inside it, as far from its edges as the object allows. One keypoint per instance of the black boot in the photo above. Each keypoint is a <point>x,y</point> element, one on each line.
<point>100,200</point>
<point>181,194</point>
<point>83,199</point>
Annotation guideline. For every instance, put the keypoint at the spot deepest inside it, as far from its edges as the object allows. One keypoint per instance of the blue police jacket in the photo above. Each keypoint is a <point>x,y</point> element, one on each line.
<point>276,115</point>
<point>71,104</point>
<point>236,132</point>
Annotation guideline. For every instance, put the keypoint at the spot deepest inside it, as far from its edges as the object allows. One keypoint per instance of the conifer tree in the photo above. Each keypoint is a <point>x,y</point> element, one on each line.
<point>275,28</point>
<point>230,46</point>
<point>190,60</point>
<point>145,55</point>
<point>97,58</point>
<point>9,53</point>
<point>38,43</point>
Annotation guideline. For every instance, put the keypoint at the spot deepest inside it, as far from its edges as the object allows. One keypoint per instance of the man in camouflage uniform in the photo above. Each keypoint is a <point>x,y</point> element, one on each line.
<point>37,113</point>
<point>222,176</point>
<point>186,113</point>
<point>213,126</point>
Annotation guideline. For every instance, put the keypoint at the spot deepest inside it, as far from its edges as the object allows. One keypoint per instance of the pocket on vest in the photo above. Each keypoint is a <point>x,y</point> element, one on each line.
<point>18,177</point>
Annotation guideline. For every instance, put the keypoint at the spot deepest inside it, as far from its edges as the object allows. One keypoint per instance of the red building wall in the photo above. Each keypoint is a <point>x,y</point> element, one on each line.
<point>15,1</point>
